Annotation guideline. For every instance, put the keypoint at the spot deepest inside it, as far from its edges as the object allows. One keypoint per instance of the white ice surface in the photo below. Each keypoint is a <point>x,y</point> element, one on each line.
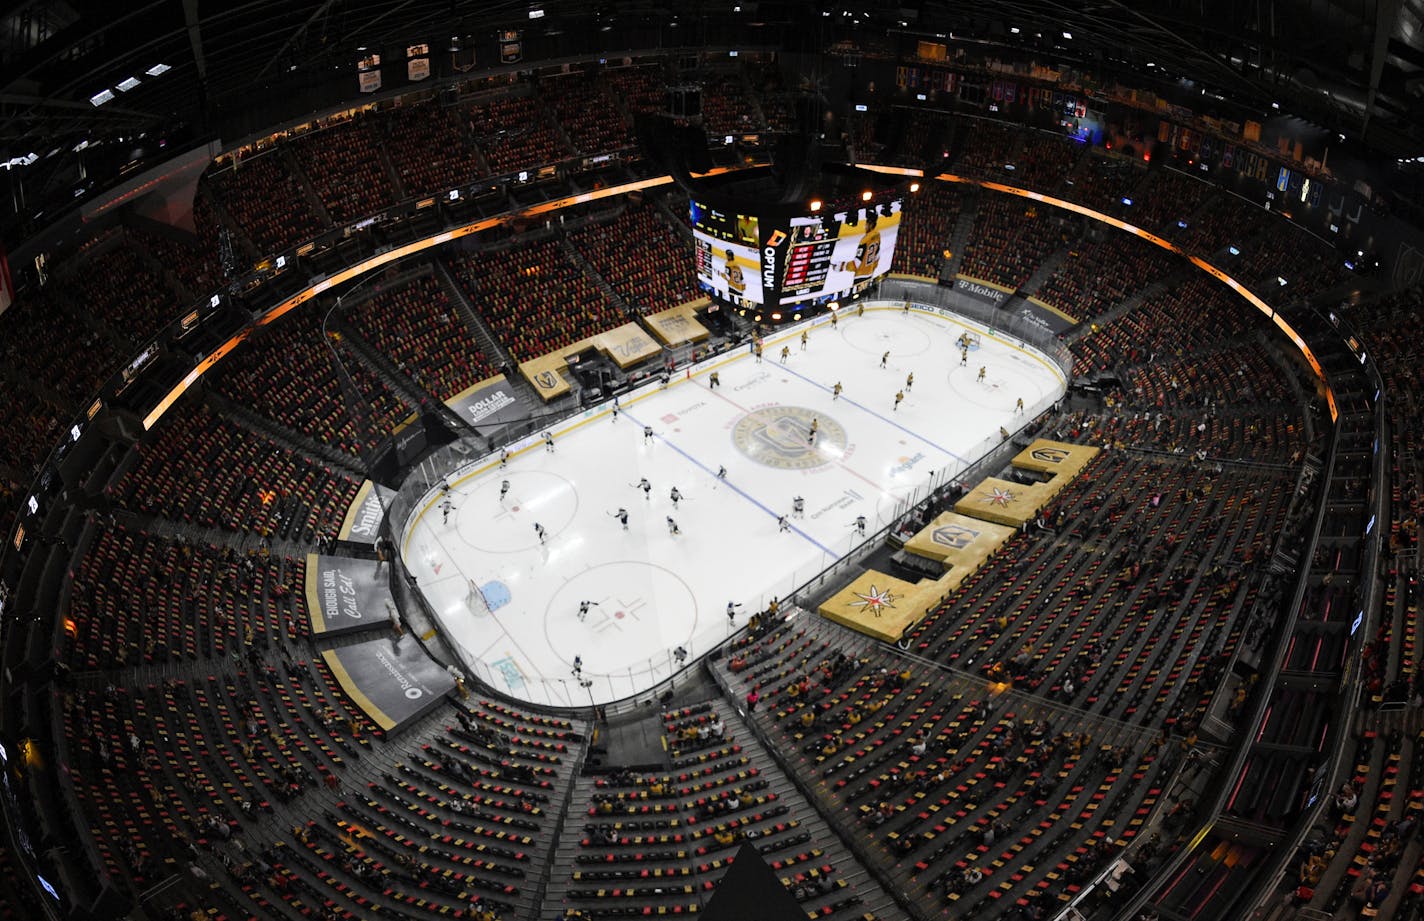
<point>656,591</point>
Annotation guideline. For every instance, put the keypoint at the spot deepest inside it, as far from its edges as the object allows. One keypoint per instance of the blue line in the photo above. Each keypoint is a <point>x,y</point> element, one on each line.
<point>887,420</point>
<point>699,465</point>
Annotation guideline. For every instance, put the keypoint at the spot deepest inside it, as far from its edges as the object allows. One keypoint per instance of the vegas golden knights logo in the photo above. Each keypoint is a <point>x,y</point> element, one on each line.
<point>546,380</point>
<point>956,536</point>
<point>1050,455</point>
<point>780,437</point>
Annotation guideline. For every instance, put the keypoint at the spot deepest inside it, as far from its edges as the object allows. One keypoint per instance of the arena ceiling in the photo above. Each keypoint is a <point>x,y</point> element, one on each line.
<point>1352,66</point>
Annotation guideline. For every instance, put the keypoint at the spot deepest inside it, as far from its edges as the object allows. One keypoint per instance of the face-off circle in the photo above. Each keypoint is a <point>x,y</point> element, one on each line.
<point>904,338</point>
<point>490,525</point>
<point>780,437</point>
<point>633,599</point>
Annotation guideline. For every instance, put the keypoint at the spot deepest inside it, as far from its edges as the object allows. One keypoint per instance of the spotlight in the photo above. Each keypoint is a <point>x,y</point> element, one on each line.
<point>914,187</point>
<point>815,204</point>
<point>865,196</point>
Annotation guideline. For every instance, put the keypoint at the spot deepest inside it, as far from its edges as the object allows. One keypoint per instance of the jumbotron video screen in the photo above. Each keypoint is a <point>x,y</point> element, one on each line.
<point>837,254</point>
<point>755,261</point>
<point>728,260</point>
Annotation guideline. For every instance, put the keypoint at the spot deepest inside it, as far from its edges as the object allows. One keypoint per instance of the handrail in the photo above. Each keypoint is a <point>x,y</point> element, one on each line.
<point>816,800</point>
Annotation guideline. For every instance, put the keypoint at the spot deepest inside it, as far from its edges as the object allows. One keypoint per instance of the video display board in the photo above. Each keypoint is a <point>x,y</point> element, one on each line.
<point>727,247</point>
<point>836,254</point>
<point>754,261</point>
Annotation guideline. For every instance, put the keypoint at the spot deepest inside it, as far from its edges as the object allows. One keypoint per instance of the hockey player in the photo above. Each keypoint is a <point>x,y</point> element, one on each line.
<point>785,353</point>
<point>721,472</point>
<point>836,391</point>
<point>866,260</point>
<point>732,612</point>
<point>815,427</point>
<point>964,356</point>
<point>675,496</point>
<point>1018,407</point>
<point>503,489</point>
<point>539,530</point>
<point>798,507</point>
<point>884,358</point>
<point>446,507</point>
<point>646,487</point>
<point>647,434</point>
<point>583,609</point>
<point>578,666</point>
<point>673,529</point>
<point>616,407</point>
<point>503,458</point>
<point>713,381</point>
<point>982,372</point>
<point>679,655</point>
<point>548,442</point>
<point>899,398</point>
<point>860,525</point>
<point>803,340</point>
<point>910,381</point>
<point>782,525</point>
<point>622,516</point>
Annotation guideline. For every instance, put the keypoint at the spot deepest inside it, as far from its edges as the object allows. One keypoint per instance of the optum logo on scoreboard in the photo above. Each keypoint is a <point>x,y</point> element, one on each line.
<point>768,260</point>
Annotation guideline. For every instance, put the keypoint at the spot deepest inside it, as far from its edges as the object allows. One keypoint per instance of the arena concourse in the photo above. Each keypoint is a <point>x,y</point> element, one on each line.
<point>400,523</point>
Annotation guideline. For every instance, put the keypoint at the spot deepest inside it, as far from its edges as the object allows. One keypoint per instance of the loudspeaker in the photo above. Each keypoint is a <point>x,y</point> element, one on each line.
<point>684,101</point>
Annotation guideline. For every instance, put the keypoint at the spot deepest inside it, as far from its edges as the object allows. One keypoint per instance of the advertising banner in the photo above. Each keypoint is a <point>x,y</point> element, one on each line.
<point>490,402</point>
<point>1043,316</point>
<point>392,680</point>
<point>980,291</point>
<point>363,518</point>
<point>345,595</point>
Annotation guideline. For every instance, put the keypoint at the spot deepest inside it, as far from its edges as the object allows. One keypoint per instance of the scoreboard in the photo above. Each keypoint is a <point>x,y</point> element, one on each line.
<point>839,254</point>
<point>754,250</point>
<point>808,260</point>
<point>726,248</point>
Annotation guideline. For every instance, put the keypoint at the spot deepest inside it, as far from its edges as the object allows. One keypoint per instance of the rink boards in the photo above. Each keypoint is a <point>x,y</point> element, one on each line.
<point>654,590</point>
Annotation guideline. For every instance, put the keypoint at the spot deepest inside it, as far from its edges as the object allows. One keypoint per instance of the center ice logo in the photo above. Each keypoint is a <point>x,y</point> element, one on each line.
<point>780,437</point>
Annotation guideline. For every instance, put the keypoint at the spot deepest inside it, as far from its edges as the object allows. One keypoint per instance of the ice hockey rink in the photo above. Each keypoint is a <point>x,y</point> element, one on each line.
<point>652,591</point>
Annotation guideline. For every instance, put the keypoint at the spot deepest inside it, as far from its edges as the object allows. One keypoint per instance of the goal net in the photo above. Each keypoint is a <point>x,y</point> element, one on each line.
<point>476,601</point>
